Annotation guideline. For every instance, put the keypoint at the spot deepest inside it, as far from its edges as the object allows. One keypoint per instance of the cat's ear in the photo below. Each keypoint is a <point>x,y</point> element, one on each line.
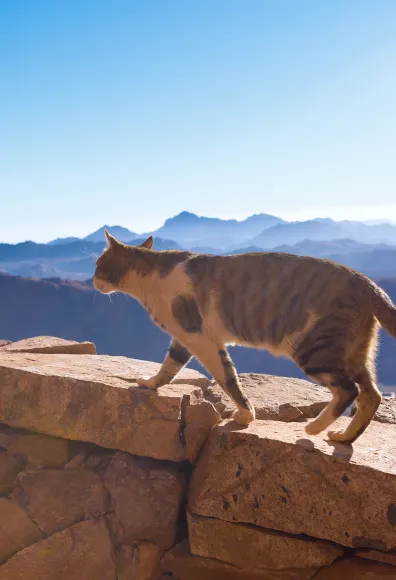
<point>148,243</point>
<point>111,240</point>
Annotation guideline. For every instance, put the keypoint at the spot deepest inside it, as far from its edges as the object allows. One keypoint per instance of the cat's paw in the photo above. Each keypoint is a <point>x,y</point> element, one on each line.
<point>339,436</point>
<point>313,428</point>
<point>150,383</point>
<point>243,416</point>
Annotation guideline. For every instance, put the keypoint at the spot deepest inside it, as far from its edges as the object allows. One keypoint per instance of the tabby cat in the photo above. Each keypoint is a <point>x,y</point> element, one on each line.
<point>318,313</point>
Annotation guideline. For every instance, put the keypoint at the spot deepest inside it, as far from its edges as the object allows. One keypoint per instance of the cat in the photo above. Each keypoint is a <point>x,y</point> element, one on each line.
<point>322,315</point>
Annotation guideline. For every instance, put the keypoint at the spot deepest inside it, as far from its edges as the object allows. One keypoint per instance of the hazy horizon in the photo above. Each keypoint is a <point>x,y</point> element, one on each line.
<point>338,216</point>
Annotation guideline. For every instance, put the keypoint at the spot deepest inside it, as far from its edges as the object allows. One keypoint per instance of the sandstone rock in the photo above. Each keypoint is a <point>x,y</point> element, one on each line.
<point>41,450</point>
<point>253,548</point>
<point>50,345</point>
<point>377,556</point>
<point>201,417</point>
<point>139,562</point>
<point>184,566</point>
<point>4,343</point>
<point>16,530</point>
<point>7,435</point>
<point>276,398</point>
<point>356,569</point>
<point>145,497</point>
<point>95,398</point>
<point>10,466</point>
<point>55,500</point>
<point>82,552</point>
<point>273,475</point>
<point>386,412</point>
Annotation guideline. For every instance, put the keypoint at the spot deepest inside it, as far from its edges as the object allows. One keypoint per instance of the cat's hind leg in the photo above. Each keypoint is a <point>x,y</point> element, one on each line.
<point>176,358</point>
<point>367,404</point>
<point>322,356</point>
<point>344,391</point>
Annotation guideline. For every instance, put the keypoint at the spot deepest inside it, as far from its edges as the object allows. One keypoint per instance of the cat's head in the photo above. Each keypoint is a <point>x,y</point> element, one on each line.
<point>120,264</point>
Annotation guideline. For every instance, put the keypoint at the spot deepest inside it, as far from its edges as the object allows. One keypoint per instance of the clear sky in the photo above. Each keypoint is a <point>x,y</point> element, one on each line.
<point>130,111</point>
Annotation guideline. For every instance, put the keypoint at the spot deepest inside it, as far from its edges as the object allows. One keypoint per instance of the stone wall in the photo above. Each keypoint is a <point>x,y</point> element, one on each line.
<point>103,480</point>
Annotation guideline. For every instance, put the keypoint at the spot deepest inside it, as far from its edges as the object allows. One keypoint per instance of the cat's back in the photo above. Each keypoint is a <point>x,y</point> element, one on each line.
<point>256,267</point>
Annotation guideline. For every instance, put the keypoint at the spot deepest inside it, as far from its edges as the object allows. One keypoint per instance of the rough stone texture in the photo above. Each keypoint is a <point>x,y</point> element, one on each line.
<point>37,450</point>
<point>356,569</point>
<point>16,530</point>
<point>95,398</point>
<point>81,552</point>
<point>10,466</point>
<point>386,412</point>
<point>273,475</point>
<point>49,345</point>
<point>145,498</point>
<point>276,398</point>
<point>201,417</point>
<point>139,562</point>
<point>58,499</point>
<point>252,548</point>
<point>4,343</point>
<point>184,566</point>
<point>377,556</point>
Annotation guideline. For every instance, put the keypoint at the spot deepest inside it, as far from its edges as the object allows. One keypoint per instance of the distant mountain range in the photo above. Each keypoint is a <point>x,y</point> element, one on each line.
<point>370,248</point>
<point>73,310</point>
<point>68,261</point>
<point>260,230</point>
<point>325,229</point>
<point>191,230</point>
<point>119,232</point>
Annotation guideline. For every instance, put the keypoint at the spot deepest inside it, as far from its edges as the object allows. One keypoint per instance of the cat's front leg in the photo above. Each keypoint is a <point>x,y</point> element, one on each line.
<point>215,358</point>
<point>176,358</point>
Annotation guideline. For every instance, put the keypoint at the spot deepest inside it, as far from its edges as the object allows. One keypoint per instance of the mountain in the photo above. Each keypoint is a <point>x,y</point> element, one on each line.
<point>374,260</point>
<point>324,229</point>
<point>73,310</point>
<point>191,230</point>
<point>324,248</point>
<point>247,250</point>
<point>122,234</point>
<point>60,241</point>
<point>73,261</point>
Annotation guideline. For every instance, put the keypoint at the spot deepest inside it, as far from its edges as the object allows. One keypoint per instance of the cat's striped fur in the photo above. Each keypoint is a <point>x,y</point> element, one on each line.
<point>316,312</point>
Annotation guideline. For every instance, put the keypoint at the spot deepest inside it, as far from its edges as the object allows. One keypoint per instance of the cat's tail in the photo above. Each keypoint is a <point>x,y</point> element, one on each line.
<point>384,310</point>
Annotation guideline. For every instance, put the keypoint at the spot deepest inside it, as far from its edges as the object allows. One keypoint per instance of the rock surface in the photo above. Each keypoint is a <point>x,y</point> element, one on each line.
<point>55,499</point>
<point>251,548</point>
<point>138,562</point>
<point>36,449</point>
<point>10,466</point>
<point>276,398</point>
<point>184,566</point>
<point>49,345</point>
<point>273,475</point>
<point>82,552</point>
<point>377,556</point>
<point>386,412</point>
<point>96,399</point>
<point>356,569</point>
<point>145,498</point>
<point>16,530</point>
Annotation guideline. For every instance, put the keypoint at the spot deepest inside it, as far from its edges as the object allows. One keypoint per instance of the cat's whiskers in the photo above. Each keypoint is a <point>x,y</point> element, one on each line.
<point>91,254</point>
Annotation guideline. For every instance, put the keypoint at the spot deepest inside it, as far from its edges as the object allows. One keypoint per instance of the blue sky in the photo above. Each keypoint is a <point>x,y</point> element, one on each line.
<point>128,112</point>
